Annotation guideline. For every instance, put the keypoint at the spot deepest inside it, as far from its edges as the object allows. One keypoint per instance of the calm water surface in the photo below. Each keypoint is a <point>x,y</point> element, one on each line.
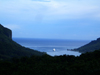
<point>47,45</point>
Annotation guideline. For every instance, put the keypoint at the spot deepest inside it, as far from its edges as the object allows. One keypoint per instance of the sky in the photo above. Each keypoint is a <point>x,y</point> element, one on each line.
<point>52,19</point>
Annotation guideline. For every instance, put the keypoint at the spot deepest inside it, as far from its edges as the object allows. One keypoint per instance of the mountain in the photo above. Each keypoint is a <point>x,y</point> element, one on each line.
<point>5,32</point>
<point>90,47</point>
<point>10,49</point>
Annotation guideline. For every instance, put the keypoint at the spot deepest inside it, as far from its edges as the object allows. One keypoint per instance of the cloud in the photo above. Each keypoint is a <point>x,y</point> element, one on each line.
<point>12,27</point>
<point>51,17</point>
<point>30,9</point>
<point>68,10</point>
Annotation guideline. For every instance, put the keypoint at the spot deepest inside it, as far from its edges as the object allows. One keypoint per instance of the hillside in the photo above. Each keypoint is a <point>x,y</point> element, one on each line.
<point>90,47</point>
<point>9,48</point>
<point>43,64</point>
<point>86,64</point>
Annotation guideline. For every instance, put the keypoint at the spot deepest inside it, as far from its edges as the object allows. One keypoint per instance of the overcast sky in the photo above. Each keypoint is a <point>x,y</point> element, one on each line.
<point>55,19</point>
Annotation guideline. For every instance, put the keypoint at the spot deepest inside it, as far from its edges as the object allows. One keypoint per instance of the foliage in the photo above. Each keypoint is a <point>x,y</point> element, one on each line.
<point>86,64</point>
<point>30,62</point>
<point>9,48</point>
<point>90,47</point>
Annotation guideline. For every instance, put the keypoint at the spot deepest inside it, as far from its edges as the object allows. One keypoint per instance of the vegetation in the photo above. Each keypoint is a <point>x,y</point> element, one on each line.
<point>5,32</point>
<point>90,47</point>
<point>24,61</point>
<point>9,48</point>
<point>86,64</point>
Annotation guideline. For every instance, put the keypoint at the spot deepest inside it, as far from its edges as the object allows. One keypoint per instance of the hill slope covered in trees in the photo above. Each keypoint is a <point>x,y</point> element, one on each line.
<point>9,48</point>
<point>86,64</point>
<point>43,64</point>
<point>90,47</point>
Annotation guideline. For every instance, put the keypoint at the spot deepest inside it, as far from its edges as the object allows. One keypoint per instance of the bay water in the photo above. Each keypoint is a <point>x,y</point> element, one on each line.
<point>49,45</point>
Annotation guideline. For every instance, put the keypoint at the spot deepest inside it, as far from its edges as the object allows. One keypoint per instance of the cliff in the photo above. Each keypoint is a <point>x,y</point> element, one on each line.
<point>10,49</point>
<point>90,47</point>
<point>5,32</point>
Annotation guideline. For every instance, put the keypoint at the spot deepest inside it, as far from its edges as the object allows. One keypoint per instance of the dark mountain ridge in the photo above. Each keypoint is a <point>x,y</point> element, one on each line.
<point>9,48</point>
<point>5,31</point>
<point>90,47</point>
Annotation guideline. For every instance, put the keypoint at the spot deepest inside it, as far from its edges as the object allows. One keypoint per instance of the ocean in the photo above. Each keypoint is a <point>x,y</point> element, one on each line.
<point>49,45</point>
